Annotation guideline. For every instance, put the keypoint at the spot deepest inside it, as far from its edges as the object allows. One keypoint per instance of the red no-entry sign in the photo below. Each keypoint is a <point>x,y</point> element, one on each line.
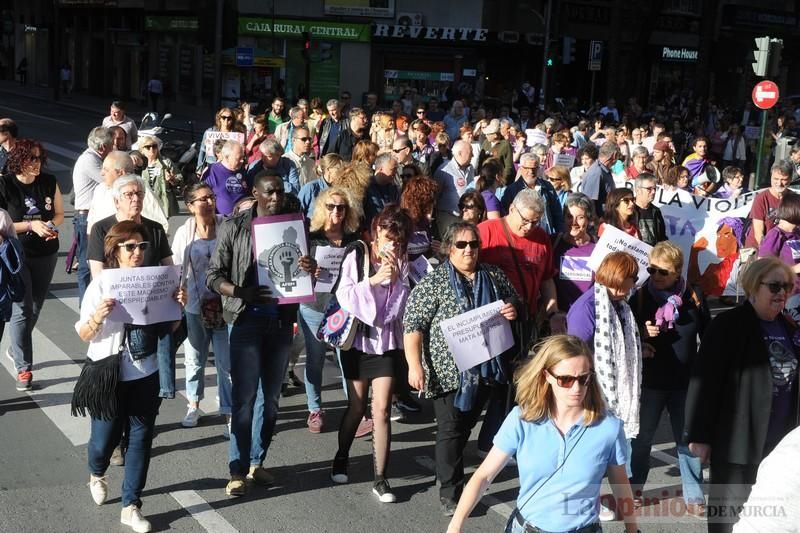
<point>765,94</point>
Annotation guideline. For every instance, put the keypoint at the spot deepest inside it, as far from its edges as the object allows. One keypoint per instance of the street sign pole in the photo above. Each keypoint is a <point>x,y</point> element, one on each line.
<point>591,91</point>
<point>760,156</point>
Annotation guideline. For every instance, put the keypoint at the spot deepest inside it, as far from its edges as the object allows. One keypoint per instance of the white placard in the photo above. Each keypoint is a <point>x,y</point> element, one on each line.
<point>565,160</point>
<point>478,335</point>
<point>535,136</point>
<point>213,136</point>
<point>278,244</point>
<point>575,268</point>
<point>329,259</point>
<point>144,295</point>
<point>419,268</point>
<point>616,240</point>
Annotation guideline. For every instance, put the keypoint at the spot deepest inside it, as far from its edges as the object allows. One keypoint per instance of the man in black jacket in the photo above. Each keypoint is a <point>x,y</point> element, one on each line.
<point>330,128</point>
<point>260,334</point>
<point>651,223</point>
<point>350,135</point>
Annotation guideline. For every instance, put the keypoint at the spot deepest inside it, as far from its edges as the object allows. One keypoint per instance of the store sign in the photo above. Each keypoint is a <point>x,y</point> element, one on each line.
<point>429,33</point>
<point>669,53</point>
<point>418,75</point>
<point>357,8</point>
<point>153,23</point>
<point>323,30</point>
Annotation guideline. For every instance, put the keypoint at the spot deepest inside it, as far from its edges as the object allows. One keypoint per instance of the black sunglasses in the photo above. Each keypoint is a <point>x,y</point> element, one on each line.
<point>776,286</point>
<point>338,207</point>
<point>304,139</point>
<point>463,244</point>
<point>566,382</point>
<point>226,117</point>
<point>653,271</point>
<point>149,146</point>
<point>131,246</point>
<point>398,150</point>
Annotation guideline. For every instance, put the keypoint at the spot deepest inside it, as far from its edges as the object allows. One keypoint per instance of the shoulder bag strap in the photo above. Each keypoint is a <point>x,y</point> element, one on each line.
<point>524,297</point>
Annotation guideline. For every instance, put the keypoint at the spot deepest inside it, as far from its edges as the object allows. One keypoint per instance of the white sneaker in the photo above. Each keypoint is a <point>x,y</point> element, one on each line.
<point>132,516</point>
<point>191,418</point>
<point>606,514</point>
<point>98,486</point>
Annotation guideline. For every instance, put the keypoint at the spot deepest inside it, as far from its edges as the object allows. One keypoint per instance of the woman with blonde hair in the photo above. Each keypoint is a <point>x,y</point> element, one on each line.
<point>565,443</point>
<point>328,169</point>
<point>334,224</point>
<point>384,131</point>
<point>365,152</point>
<point>559,176</point>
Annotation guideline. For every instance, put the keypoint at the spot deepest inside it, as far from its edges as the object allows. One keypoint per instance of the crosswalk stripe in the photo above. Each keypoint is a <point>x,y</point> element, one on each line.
<point>202,512</point>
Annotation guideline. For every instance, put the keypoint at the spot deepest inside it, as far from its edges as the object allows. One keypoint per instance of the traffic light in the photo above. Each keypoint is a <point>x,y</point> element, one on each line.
<point>761,56</point>
<point>569,50</point>
<point>549,62</point>
<point>306,46</point>
<point>775,49</point>
<point>325,51</point>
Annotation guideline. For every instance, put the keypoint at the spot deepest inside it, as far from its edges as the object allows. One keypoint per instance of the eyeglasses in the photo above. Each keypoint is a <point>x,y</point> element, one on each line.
<point>468,206</point>
<point>526,221</point>
<point>149,146</point>
<point>398,150</point>
<point>660,271</point>
<point>648,189</point>
<point>556,180</point>
<point>130,195</point>
<point>210,198</point>
<point>226,117</point>
<point>566,382</point>
<point>463,244</point>
<point>270,192</point>
<point>420,112</point>
<point>626,200</point>
<point>338,207</point>
<point>776,286</point>
<point>532,169</point>
<point>303,139</point>
<point>131,246</point>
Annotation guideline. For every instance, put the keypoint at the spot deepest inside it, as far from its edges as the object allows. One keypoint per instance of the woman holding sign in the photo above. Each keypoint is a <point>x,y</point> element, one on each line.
<point>377,298</point>
<point>459,285</point>
<point>119,383</point>
<point>566,442</point>
<point>333,226</point>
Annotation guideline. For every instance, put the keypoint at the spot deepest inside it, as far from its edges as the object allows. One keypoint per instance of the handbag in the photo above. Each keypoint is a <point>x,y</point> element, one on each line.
<point>339,326</point>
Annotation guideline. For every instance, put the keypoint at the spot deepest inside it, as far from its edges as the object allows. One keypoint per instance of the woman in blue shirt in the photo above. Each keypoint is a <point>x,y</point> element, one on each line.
<point>565,443</point>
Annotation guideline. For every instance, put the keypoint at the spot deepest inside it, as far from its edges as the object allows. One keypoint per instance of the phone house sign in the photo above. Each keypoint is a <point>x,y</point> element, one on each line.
<point>678,54</point>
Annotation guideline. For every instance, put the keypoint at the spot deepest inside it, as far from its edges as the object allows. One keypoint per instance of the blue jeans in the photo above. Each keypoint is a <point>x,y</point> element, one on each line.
<point>166,366</point>
<point>138,406</point>
<point>259,360</point>
<point>79,223</point>
<point>37,273</point>
<point>195,348</point>
<point>309,320</point>
<point>653,403</point>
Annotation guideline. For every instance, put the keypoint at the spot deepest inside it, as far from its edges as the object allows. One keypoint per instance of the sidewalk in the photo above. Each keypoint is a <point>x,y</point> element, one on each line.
<point>201,116</point>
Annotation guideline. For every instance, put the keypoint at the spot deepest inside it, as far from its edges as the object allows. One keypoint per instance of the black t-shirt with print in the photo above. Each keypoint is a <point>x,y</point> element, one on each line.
<point>29,202</point>
<point>157,250</point>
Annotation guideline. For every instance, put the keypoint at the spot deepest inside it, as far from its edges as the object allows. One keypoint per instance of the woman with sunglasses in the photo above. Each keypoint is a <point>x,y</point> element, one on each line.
<point>472,207</point>
<point>743,391</point>
<point>783,241</point>
<point>602,318</point>
<point>671,316</point>
<point>460,284</point>
<point>160,175</point>
<point>334,224</point>
<point>192,247</point>
<point>565,442</point>
<point>224,121</point>
<point>119,385</point>
<point>559,176</point>
<point>33,200</point>
<point>377,298</point>
<point>620,212</point>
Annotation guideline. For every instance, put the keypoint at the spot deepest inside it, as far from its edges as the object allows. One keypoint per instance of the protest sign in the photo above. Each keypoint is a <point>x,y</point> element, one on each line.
<point>574,268</point>
<point>278,244</point>
<point>616,240</point>
<point>419,268</point>
<point>144,295</point>
<point>478,335</point>
<point>710,231</point>
<point>211,137</point>
<point>329,260</point>
<point>565,160</point>
<point>535,136</point>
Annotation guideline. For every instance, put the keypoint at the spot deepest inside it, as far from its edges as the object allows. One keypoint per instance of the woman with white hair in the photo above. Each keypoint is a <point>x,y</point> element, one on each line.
<point>160,174</point>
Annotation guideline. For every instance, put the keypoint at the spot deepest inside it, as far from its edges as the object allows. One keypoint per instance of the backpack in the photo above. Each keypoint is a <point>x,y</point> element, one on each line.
<point>12,284</point>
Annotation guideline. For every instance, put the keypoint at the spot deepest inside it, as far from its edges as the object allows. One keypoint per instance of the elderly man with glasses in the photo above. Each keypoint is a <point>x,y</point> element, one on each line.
<point>553,216</point>
<point>652,228</point>
<point>260,335</point>
<point>300,154</point>
<point>284,133</point>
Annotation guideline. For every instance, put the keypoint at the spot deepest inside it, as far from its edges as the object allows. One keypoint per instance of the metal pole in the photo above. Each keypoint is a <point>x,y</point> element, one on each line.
<point>217,96</point>
<point>591,91</point>
<point>760,155</point>
<point>546,53</point>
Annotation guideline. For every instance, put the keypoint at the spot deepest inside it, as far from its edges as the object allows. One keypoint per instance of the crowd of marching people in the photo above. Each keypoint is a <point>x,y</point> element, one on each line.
<point>506,206</point>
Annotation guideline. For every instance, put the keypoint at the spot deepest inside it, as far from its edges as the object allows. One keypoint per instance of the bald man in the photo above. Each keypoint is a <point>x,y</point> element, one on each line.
<point>454,178</point>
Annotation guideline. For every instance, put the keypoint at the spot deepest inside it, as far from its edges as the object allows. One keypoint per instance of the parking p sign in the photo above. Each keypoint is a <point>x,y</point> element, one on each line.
<point>595,55</point>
